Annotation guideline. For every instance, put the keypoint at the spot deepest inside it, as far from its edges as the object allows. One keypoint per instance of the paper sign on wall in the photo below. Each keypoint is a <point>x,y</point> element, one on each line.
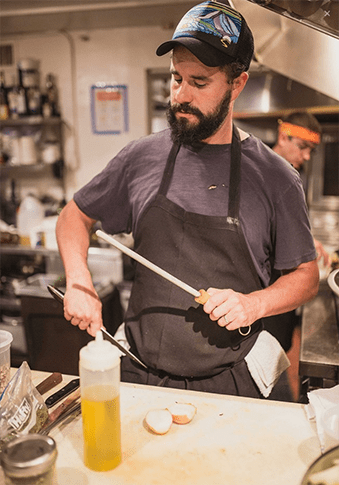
<point>109,109</point>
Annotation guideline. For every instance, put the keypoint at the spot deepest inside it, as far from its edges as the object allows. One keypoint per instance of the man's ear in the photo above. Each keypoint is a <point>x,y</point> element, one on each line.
<point>283,138</point>
<point>238,85</point>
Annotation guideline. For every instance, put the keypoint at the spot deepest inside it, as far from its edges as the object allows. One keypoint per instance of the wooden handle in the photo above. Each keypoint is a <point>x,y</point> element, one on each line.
<point>48,383</point>
<point>202,299</point>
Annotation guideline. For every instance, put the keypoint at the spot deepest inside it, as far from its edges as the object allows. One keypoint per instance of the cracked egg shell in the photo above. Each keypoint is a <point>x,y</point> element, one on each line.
<point>159,420</point>
<point>182,413</point>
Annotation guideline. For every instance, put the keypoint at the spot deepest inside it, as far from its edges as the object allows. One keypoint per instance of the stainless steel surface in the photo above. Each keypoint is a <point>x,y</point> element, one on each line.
<point>59,296</point>
<point>293,49</point>
<point>319,348</point>
<point>37,285</point>
<point>282,44</point>
<point>321,15</point>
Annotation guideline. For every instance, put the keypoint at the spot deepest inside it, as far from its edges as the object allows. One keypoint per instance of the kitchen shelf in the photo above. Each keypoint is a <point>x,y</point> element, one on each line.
<point>17,171</point>
<point>45,127</point>
<point>31,121</point>
<point>10,303</point>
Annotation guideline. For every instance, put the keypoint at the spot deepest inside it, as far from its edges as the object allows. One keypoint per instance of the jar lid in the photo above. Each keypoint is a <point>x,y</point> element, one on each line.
<point>27,455</point>
<point>5,340</point>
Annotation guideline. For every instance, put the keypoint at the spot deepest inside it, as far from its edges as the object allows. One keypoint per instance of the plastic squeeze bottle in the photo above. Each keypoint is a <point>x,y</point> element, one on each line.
<point>99,369</point>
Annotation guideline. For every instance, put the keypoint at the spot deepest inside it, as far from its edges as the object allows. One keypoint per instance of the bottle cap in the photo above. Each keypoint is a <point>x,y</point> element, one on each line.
<point>99,354</point>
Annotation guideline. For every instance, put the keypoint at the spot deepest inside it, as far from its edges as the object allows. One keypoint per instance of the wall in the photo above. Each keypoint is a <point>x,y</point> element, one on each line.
<point>117,56</point>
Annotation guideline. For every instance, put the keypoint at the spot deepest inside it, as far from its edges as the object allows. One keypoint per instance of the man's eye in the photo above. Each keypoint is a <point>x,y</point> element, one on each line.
<point>199,85</point>
<point>177,80</point>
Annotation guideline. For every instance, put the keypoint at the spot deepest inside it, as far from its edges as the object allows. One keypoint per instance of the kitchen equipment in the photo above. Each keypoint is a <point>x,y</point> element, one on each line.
<point>333,281</point>
<point>318,472</point>
<point>30,215</point>
<point>148,264</point>
<point>14,325</point>
<point>50,152</point>
<point>59,295</point>
<point>100,404</point>
<point>29,459</point>
<point>72,410</point>
<point>28,152</point>
<point>67,407</point>
<point>29,72</point>
<point>5,358</point>
<point>63,392</point>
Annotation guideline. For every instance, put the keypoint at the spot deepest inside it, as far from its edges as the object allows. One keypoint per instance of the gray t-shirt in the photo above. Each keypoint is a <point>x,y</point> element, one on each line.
<point>273,213</point>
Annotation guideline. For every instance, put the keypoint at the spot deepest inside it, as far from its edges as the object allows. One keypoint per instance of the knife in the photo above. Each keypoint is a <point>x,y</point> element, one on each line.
<point>59,296</point>
<point>63,392</point>
<point>201,296</point>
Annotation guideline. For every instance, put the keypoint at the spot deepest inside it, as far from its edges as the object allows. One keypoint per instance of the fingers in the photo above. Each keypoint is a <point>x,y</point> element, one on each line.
<point>227,308</point>
<point>83,311</point>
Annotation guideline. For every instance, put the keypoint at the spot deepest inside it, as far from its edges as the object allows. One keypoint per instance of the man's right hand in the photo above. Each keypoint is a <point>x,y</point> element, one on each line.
<point>83,308</point>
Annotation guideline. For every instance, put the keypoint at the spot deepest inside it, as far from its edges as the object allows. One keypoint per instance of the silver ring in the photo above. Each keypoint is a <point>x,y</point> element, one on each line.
<point>225,317</point>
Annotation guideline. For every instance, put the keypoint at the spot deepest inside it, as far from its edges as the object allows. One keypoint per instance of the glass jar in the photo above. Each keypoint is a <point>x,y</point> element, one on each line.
<point>29,460</point>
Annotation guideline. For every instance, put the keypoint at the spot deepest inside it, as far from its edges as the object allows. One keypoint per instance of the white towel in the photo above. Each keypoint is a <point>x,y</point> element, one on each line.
<point>266,361</point>
<point>320,400</point>
<point>120,336</point>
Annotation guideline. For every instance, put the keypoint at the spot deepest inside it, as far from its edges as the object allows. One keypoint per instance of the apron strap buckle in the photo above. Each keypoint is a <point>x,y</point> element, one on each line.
<point>245,333</point>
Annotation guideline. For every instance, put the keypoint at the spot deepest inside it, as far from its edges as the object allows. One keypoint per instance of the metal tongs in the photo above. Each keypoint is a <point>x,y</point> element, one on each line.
<point>59,296</point>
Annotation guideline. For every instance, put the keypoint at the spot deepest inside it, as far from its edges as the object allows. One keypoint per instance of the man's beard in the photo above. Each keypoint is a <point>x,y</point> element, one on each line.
<point>189,134</point>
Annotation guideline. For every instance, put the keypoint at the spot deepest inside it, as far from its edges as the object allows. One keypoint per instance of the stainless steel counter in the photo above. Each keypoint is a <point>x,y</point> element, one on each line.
<point>319,349</point>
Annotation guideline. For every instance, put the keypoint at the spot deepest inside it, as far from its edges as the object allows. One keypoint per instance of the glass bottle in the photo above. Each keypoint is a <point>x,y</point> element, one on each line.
<point>99,368</point>
<point>13,99</point>
<point>3,98</point>
<point>50,103</point>
<point>21,99</point>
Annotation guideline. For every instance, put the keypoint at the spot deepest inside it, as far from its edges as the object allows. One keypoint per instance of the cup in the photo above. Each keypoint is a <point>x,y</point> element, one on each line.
<point>6,339</point>
<point>330,424</point>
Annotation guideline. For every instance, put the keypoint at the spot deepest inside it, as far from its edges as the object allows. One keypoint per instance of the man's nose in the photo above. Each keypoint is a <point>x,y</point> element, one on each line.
<point>183,94</point>
<point>307,154</point>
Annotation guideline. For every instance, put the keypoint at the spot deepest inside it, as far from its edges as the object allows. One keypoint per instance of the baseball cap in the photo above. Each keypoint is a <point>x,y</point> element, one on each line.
<point>215,33</point>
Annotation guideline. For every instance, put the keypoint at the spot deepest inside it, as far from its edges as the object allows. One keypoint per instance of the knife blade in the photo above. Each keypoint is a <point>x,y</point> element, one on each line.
<point>63,392</point>
<point>59,296</point>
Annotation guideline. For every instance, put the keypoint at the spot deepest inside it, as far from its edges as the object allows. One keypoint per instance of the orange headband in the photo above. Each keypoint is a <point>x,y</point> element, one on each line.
<point>300,132</point>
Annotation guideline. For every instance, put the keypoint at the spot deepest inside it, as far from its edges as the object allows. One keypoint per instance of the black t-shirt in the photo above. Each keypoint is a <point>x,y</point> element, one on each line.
<point>273,212</point>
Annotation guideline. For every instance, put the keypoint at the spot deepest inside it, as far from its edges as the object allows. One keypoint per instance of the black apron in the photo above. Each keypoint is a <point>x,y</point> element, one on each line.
<point>164,326</point>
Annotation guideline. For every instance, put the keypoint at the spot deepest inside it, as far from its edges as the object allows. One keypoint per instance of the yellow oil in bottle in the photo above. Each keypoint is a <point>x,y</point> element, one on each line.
<point>100,408</point>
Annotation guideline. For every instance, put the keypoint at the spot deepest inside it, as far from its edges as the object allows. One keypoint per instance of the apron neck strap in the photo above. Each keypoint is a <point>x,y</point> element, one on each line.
<point>235,172</point>
<point>235,176</point>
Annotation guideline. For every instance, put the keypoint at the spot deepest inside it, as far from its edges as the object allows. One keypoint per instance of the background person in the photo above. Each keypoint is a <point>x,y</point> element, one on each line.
<point>298,136</point>
<point>210,205</point>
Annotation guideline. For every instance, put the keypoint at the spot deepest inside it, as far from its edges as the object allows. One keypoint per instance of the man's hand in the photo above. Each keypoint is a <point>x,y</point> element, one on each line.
<point>230,308</point>
<point>83,308</point>
<point>294,288</point>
